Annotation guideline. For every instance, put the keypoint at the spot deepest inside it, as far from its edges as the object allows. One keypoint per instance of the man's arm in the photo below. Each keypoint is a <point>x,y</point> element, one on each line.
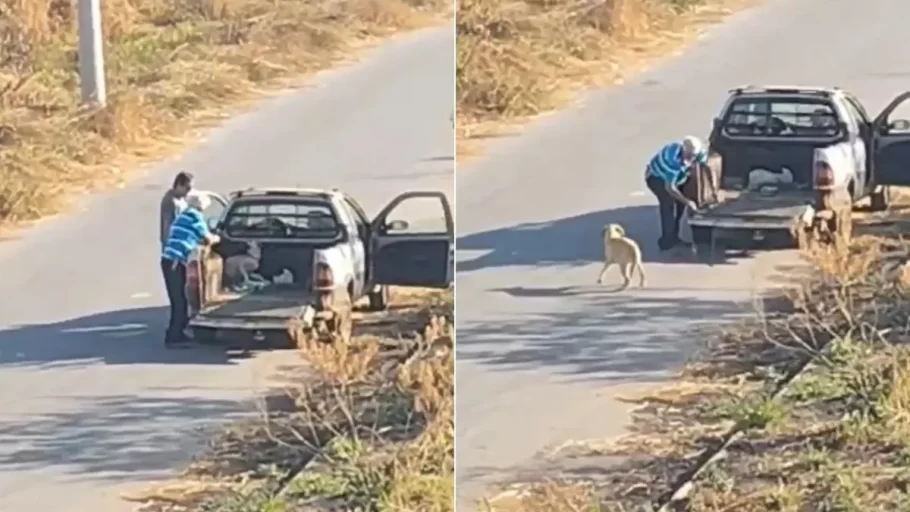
<point>205,234</point>
<point>674,191</point>
<point>167,214</point>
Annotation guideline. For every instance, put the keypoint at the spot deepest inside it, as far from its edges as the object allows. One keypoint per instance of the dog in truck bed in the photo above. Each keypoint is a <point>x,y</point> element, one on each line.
<point>239,268</point>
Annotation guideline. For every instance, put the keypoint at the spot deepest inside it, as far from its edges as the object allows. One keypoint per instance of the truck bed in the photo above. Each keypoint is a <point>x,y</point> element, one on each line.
<point>267,308</point>
<point>755,210</point>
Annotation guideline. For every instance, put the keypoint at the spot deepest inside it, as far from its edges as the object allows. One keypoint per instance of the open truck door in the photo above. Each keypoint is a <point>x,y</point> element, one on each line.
<point>217,206</point>
<point>416,252</point>
<point>891,145</point>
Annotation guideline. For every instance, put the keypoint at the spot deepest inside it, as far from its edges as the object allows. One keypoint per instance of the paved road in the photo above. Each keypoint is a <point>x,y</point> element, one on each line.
<point>542,352</point>
<point>90,402</point>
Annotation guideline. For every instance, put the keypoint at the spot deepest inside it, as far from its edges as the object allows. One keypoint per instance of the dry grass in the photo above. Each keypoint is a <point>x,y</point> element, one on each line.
<point>520,58</point>
<point>371,424</point>
<point>169,63</point>
<point>835,438</point>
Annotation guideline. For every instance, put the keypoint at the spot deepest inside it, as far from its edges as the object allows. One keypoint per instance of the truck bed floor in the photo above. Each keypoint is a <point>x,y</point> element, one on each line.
<point>270,302</point>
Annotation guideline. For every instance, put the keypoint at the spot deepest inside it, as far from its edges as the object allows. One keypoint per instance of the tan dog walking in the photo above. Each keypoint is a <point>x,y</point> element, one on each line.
<point>623,251</point>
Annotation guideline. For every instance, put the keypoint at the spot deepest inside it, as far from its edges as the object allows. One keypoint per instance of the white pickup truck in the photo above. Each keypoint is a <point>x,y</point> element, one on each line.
<point>333,252</point>
<point>821,139</point>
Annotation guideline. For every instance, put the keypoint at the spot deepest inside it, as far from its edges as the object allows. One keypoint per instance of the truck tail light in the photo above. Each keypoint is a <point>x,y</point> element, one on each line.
<point>823,176</point>
<point>324,280</point>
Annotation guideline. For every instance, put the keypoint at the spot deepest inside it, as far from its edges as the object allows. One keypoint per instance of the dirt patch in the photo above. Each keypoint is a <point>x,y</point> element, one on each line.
<point>368,426</point>
<point>170,65</point>
<point>517,59</point>
<point>805,407</point>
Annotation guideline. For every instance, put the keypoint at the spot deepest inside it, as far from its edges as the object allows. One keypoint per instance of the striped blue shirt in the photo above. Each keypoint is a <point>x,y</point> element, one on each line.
<point>668,164</point>
<point>187,232</point>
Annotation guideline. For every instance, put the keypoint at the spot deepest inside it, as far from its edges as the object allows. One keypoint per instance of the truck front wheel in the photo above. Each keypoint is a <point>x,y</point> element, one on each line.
<point>880,199</point>
<point>379,298</point>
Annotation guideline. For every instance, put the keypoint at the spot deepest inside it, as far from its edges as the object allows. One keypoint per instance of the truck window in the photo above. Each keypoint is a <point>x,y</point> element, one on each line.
<point>781,117</point>
<point>348,218</point>
<point>854,120</point>
<point>857,108</point>
<point>285,218</point>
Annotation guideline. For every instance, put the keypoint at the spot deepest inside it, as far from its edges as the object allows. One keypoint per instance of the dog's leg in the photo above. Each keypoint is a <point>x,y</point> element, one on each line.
<point>603,272</point>
<point>244,275</point>
<point>641,273</point>
<point>626,269</point>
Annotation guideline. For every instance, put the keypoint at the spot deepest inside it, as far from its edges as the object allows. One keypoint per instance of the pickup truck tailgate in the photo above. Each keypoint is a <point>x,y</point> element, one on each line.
<point>270,307</point>
<point>754,210</point>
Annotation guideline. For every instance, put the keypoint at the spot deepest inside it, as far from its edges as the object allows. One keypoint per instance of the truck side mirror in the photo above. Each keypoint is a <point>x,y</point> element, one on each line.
<point>899,125</point>
<point>397,225</point>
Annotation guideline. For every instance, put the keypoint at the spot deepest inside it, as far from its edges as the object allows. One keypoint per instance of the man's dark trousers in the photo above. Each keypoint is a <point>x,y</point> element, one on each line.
<point>670,210</point>
<point>175,283</point>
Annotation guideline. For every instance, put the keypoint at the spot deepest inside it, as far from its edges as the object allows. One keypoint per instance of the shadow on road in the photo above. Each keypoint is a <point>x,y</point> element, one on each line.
<point>638,336</point>
<point>568,241</point>
<point>104,438</point>
<point>129,336</point>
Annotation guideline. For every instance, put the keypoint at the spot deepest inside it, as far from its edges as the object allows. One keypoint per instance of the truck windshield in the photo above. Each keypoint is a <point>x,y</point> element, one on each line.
<point>287,219</point>
<point>781,118</point>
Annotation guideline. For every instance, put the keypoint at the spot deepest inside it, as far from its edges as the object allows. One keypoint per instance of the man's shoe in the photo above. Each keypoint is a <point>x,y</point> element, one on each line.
<point>665,247</point>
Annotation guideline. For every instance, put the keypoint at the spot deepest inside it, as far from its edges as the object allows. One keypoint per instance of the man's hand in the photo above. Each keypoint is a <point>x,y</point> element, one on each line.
<point>691,206</point>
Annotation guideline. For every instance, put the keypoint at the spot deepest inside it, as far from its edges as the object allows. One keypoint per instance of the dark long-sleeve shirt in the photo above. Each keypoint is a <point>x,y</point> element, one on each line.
<point>170,208</point>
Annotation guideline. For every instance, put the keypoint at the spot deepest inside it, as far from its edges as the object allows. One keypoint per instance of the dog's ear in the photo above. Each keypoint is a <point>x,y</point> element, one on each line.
<point>619,230</point>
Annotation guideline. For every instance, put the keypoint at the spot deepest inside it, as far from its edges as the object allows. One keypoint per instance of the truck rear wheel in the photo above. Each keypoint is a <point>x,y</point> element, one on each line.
<point>701,243</point>
<point>343,327</point>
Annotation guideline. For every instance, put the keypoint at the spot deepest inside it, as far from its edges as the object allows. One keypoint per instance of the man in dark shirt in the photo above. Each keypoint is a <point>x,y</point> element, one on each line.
<point>173,203</point>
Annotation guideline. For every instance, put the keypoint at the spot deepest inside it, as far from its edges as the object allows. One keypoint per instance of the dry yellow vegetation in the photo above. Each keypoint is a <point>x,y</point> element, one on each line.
<point>168,63</point>
<point>365,426</point>
<point>520,58</point>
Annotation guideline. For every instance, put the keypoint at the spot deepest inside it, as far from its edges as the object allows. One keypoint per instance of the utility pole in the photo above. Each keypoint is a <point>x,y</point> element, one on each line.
<point>91,55</point>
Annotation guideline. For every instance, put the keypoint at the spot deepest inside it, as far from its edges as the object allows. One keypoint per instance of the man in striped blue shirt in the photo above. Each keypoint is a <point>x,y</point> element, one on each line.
<point>666,173</point>
<point>188,231</point>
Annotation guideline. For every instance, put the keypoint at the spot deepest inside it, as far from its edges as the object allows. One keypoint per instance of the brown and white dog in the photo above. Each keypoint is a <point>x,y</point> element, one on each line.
<point>623,251</point>
<point>237,269</point>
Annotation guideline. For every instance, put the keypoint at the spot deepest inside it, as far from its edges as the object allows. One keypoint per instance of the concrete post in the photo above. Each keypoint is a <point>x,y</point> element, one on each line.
<point>91,55</point>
